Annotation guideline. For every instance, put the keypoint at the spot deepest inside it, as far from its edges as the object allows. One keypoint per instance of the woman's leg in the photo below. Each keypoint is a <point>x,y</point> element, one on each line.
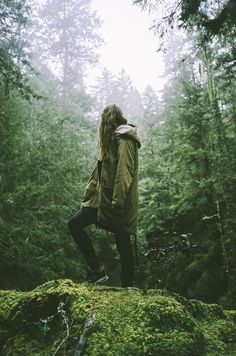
<point>77,224</point>
<point>126,258</point>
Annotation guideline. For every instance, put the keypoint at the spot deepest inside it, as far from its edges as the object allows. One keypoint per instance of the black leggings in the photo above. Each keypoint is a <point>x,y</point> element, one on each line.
<point>77,224</point>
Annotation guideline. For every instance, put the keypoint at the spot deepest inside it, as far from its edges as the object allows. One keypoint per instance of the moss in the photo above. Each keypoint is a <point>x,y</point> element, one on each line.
<point>127,322</point>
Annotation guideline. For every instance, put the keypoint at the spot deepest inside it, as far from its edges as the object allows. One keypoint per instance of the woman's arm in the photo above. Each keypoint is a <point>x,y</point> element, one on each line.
<point>125,172</point>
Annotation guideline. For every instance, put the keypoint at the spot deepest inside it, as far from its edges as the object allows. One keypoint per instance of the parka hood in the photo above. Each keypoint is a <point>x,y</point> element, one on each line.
<point>128,130</point>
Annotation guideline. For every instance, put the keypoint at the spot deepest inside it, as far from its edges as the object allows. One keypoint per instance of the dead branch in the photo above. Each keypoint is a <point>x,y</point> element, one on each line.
<point>88,328</point>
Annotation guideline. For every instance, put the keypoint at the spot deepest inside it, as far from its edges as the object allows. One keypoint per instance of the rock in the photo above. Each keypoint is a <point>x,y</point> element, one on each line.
<point>50,319</point>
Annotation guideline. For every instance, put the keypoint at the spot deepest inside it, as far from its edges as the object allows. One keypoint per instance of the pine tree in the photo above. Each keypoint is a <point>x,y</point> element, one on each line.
<point>103,90</point>
<point>66,36</point>
<point>14,53</point>
<point>151,104</point>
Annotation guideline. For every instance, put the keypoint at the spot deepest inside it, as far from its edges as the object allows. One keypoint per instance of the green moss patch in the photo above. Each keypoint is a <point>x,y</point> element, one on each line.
<point>51,318</point>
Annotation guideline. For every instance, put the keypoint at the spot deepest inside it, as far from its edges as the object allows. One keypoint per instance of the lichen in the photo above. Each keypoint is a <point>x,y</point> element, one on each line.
<point>128,322</point>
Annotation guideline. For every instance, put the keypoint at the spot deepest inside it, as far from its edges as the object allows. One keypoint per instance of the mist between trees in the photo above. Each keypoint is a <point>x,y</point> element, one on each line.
<point>49,144</point>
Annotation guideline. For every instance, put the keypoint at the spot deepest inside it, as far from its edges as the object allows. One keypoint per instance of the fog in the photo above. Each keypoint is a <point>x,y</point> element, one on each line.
<point>93,53</point>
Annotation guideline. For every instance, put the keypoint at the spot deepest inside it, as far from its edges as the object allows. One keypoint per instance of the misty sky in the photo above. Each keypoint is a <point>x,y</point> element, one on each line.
<point>129,43</point>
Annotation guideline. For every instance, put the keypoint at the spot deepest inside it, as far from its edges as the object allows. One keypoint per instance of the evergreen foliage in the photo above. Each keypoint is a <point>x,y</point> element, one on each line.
<point>49,146</point>
<point>14,53</point>
<point>44,168</point>
<point>119,89</point>
<point>188,177</point>
<point>64,36</point>
<point>213,18</point>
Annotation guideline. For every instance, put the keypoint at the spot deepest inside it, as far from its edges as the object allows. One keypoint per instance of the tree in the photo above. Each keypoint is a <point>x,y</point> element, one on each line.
<point>210,18</point>
<point>151,104</point>
<point>103,90</point>
<point>127,96</point>
<point>118,89</point>
<point>45,162</point>
<point>188,172</point>
<point>14,54</point>
<point>66,36</point>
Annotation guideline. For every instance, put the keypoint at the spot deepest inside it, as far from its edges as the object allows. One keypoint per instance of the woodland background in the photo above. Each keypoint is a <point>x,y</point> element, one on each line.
<point>49,144</point>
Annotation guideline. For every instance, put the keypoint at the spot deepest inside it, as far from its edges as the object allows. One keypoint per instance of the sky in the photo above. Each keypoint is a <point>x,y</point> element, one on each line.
<point>129,43</point>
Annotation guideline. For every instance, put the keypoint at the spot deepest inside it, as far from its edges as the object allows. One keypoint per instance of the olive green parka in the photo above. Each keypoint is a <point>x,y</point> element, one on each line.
<point>113,185</point>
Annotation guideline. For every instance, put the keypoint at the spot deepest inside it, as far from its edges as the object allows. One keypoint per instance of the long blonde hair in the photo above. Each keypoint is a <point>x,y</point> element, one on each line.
<point>111,118</point>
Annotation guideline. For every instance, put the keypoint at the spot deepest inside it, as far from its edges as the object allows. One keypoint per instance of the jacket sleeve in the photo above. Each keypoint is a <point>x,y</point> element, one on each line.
<point>92,182</point>
<point>124,173</point>
<point>93,177</point>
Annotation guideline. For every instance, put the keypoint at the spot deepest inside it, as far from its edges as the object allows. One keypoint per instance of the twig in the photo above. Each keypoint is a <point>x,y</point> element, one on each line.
<point>220,228</point>
<point>88,327</point>
<point>118,289</point>
<point>63,314</point>
<point>109,289</point>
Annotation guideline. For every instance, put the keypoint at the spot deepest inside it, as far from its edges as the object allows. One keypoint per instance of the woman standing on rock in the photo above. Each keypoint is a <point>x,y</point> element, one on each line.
<point>111,195</point>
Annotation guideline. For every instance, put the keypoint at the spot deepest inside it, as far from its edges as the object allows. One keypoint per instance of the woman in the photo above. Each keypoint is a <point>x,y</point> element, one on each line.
<point>111,195</point>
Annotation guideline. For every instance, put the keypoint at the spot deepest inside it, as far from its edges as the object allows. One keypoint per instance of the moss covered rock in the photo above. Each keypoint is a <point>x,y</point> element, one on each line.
<point>50,319</point>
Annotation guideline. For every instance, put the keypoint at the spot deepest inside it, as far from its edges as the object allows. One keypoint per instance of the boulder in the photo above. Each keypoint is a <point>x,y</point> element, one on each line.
<point>64,318</point>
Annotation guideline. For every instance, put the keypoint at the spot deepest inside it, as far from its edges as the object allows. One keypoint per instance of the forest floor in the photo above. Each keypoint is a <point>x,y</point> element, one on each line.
<point>64,318</point>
